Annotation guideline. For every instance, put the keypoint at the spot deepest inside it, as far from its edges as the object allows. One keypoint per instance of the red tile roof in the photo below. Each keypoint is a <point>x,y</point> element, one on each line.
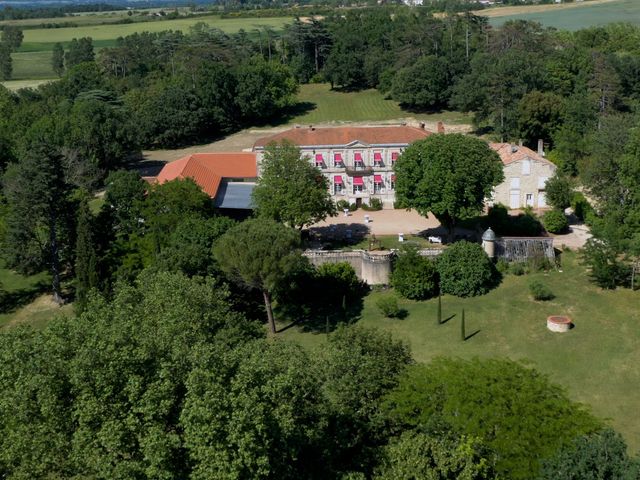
<point>513,153</point>
<point>383,135</point>
<point>208,169</point>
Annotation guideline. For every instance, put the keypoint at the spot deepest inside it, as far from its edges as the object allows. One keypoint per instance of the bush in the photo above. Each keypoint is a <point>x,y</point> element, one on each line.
<point>555,221</point>
<point>524,224</point>
<point>517,269</point>
<point>353,207</point>
<point>342,204</point>
<point>607,271</point>
<point>538,263</point>
<point>414,276</point>
<point>540,291</point>
<point>388,306</point>
<point>375,204</point>
<point>465,270</point>
<point>558,191</point>
<point>581,206</point>
<point>502,266</point>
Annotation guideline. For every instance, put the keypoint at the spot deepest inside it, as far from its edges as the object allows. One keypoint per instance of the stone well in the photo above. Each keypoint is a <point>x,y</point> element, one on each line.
<point>559,323</point>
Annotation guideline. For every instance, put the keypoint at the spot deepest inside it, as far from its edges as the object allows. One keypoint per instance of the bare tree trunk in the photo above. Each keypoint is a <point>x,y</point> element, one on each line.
<point>269,309</point>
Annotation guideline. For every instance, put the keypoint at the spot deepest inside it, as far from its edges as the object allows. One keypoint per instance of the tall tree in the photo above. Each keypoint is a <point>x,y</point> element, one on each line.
<point>259,254</point>
<point>57,59</point>
<point>40,219</point>
<point>290,190</point>
<point>6,63</point>
<point>86,258</point>
<point>447,175</point>
<point>12,36</point>
<point>80,51</point>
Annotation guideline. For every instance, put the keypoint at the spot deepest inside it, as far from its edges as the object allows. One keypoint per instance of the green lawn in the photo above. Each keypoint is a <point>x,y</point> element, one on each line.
<point>325,105</point>
<point>582,16</point>
<point>598,361</point>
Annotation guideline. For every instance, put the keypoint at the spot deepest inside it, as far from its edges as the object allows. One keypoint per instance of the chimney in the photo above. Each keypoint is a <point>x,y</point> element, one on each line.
<point>440,127</point>
<point>422,125</point>
<point>541,148</point>
<point>311,127</point>
<point>520,143</point>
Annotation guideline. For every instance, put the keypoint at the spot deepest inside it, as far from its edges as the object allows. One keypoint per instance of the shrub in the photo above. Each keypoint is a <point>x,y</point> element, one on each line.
<point>337,280</point>
<point>555,221</point>
<point>606,270</point>
<point>375,204</point>
<point>342,204</point>
<point>538,263</point>
<point>517,269</point>
<point>465,270</point>
<point>414,276</point>
<point>581,206</point>
<point>353,207</point>
<point>388,306</point>
<point>502,266</point>
<point>539,291</point>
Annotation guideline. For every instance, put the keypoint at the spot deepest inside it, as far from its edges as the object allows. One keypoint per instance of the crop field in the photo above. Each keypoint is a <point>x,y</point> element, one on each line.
<point>320,104</point>
<point>570,16</point>
<point>598,361</point>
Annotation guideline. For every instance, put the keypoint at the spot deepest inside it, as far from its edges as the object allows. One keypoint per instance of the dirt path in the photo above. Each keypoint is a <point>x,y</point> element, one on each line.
<point>516,10</point>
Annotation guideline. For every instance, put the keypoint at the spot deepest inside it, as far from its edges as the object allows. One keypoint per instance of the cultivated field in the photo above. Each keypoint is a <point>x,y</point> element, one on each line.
<point>598,361</point>
<point>569,16</point>
<point>33,59</point>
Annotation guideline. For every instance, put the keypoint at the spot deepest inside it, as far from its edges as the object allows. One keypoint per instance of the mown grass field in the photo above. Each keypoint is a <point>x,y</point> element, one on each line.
<point>325,105</point>
<point>598,361</point>
<point>575,17</point>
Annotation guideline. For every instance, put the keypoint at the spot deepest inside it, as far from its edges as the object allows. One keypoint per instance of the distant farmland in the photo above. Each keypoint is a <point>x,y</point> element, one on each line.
<point>576,16</point>
<point>33,59</point>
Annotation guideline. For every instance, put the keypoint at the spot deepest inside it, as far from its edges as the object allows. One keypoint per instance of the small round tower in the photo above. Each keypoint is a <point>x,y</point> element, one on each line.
<point>489,242</point>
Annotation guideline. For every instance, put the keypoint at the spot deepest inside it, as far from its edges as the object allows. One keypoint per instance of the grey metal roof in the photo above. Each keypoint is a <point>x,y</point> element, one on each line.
<point>235,195</point>
<point>489,235</point>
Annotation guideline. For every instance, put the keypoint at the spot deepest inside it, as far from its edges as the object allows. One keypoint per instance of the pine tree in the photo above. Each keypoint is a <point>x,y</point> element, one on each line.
<point>57,59</point>
<point>463,333</point>
<point>86,262</point>
<point>40,218</point>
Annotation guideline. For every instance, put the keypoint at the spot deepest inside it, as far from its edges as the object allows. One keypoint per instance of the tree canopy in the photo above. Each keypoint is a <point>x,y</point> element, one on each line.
<point>290,190</point>
<point>449,176</point>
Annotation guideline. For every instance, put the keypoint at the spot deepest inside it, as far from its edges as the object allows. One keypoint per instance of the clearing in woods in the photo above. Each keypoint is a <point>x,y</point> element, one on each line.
<point>598,361</point>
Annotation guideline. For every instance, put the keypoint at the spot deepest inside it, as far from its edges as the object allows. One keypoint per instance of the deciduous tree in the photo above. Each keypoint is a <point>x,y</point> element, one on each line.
<point>447,175</point>
<point>290,190</point>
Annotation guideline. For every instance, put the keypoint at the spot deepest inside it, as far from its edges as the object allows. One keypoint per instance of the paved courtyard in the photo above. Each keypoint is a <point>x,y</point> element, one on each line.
<point>388,222</point>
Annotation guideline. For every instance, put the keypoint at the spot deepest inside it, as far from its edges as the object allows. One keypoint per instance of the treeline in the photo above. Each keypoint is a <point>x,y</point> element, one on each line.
<point>13,13</point>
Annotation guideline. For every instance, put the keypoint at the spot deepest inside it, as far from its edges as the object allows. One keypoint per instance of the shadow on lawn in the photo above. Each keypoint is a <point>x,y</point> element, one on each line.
<point>12,301</point>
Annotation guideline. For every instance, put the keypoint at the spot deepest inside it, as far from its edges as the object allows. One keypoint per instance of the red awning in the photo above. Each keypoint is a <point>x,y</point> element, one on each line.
<point>394,156</point>
<point>358,157</point>
<point>377,156</point>
<point>337,179</point>
<point>358,181</point>
<point>338,157</point>
<point>319,158</point>
<point>393,178</point>
<point>377,178</point>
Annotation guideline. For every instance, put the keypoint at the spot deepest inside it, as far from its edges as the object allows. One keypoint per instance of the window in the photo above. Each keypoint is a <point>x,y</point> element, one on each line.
<point>394,157</point>
<point>377,158</point>
<point>319,160</point>
<point>542,183</point>
<point>515,182</point>
<point>338,185</point>
<point>338,161</point>
<point>529,199</point>
<point>357,160</point>
<point>378,184</point>
<point>358,185</point>
<point>526,167</point>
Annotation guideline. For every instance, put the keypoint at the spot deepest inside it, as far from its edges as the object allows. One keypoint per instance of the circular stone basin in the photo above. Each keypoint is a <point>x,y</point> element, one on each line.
<point>559,323</point>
